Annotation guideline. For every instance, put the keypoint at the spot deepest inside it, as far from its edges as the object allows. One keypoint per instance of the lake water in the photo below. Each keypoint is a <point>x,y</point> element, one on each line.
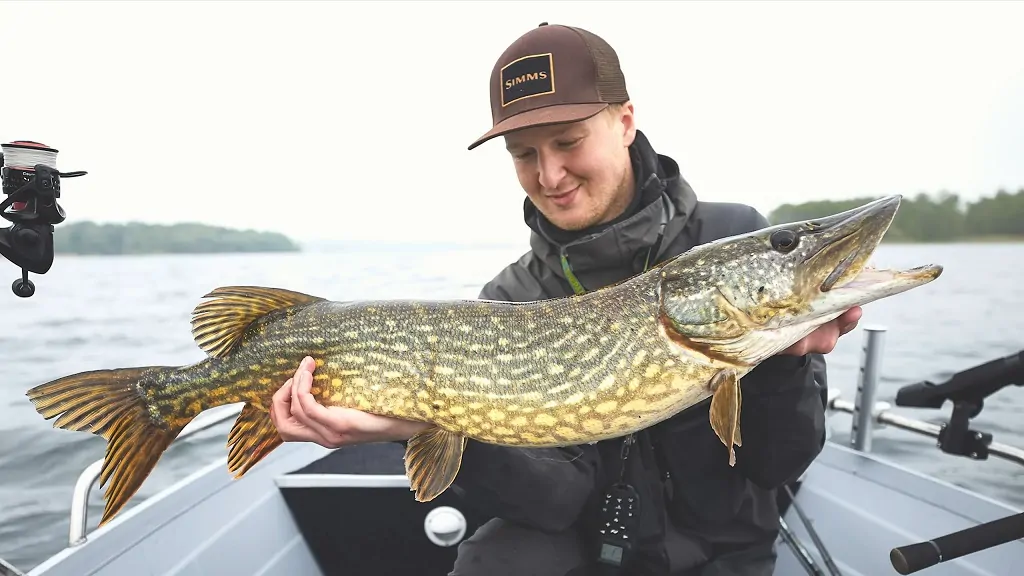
<point>105,312</point>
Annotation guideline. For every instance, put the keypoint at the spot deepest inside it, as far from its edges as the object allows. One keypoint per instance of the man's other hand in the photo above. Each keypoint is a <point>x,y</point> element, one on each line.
<point>823,340</point>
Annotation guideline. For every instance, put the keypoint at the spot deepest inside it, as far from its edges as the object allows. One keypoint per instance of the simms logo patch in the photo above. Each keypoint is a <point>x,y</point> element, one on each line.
<point>527,77</point>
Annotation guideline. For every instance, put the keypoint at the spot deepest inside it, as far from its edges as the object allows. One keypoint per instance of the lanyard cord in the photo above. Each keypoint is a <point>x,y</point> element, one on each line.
<point>652,251</point>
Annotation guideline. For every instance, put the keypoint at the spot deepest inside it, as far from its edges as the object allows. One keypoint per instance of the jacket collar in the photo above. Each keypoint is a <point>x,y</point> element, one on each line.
<point>619,249</point>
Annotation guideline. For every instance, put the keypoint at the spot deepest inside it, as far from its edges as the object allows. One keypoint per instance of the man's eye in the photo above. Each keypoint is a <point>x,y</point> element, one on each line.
<point>569,143</point>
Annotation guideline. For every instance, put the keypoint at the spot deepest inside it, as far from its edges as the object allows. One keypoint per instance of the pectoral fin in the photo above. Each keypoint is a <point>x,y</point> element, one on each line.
<point>432,459</point>
<point>725,410</point>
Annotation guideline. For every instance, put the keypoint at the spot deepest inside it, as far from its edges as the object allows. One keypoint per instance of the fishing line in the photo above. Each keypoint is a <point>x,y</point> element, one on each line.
<point>20,157</point>
<point>25,155</point>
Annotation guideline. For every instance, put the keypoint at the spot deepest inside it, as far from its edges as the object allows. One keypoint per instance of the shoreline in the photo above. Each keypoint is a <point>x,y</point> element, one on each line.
<point>982,241</point>
<point>993,239</point>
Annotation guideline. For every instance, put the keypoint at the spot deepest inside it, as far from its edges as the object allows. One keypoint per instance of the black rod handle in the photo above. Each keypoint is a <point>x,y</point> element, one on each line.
<point>913,557</point>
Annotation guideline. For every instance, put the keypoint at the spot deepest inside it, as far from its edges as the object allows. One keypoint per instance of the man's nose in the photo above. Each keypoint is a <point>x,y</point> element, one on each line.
<point>551,170</point>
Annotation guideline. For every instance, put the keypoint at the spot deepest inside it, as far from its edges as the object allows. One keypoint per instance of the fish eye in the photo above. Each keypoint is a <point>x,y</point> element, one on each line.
<point>784,240</point>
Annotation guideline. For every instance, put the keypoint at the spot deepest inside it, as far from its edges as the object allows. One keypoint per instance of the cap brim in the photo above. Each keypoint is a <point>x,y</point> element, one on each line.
<point>557,114</point>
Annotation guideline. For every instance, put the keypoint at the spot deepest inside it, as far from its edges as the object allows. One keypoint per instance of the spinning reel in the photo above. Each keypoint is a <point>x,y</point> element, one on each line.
<point>31,183</point>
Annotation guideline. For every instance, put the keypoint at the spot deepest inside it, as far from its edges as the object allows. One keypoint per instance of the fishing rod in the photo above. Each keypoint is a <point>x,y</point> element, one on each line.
<point>31,182</point>
<point>799,550</point>
<point>914,557</point>
<point>801,553</point>
<point>833,569</point>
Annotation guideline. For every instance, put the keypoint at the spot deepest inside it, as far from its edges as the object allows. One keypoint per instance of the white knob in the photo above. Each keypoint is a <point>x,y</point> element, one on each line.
<point>445,526</point>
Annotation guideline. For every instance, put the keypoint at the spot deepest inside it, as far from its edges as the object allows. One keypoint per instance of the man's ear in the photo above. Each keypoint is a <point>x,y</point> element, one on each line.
<point>627,120</point>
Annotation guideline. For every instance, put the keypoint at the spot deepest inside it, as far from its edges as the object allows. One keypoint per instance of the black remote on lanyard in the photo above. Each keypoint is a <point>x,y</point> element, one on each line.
<point>620,511</point>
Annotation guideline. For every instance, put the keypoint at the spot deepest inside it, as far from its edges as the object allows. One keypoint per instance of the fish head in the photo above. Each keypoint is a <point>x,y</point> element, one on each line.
<point>745,298</point>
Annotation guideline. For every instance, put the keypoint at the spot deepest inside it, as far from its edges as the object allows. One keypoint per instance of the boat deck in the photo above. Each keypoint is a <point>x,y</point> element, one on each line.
<point>304,511</point>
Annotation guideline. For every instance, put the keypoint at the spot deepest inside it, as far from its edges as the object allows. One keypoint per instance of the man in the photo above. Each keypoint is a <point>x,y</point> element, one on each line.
<point>603,205</point>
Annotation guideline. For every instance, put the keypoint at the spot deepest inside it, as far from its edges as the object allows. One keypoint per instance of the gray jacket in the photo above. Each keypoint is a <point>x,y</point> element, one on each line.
<point>679,466</point>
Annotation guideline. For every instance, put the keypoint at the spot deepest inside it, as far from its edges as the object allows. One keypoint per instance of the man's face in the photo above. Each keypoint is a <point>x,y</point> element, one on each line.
<point>578,174</point>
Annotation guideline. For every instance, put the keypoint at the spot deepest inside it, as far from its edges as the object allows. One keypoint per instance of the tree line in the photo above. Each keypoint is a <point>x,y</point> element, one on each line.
<point>186,238</point>
<point>942,217</point>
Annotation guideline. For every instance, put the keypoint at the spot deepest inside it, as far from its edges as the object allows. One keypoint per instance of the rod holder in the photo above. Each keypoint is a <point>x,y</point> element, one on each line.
<point>867,386</point>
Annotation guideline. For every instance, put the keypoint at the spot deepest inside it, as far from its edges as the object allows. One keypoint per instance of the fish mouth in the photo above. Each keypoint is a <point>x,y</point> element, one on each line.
<point>833,278</point>
<point>869,279</point>
<point>846,243</point>
<point>847,240</point>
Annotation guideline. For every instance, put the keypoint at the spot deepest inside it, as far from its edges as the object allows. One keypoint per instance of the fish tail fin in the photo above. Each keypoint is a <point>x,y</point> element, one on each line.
<point>252,437</point>
<point>109,403</point>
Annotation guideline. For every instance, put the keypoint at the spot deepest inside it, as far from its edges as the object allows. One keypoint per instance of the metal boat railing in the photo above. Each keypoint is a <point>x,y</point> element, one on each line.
<point>864,422</point>
<point>880,414</point>
<point>7,570</point>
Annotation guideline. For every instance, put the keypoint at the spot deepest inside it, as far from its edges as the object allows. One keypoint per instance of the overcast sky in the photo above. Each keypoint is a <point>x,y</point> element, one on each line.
<point>351,121</point>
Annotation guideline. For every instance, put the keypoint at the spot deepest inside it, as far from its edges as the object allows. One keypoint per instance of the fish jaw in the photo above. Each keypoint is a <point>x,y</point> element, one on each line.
<point>748,297</point>
<point>870,285</point>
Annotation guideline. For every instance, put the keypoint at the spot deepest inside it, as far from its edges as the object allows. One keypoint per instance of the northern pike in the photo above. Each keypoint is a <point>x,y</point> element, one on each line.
<point>559,372</point>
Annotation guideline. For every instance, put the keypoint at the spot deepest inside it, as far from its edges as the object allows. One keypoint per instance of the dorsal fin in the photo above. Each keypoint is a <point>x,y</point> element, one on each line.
<point>218,324</point>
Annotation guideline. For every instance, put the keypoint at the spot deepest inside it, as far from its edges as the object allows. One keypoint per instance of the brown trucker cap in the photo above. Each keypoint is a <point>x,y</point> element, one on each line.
<point>552,75</point>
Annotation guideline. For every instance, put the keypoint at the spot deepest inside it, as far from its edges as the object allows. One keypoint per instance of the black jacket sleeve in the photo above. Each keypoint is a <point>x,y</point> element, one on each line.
<point>782,415</point>
<point>543,488</point>
<point>782,419</point>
